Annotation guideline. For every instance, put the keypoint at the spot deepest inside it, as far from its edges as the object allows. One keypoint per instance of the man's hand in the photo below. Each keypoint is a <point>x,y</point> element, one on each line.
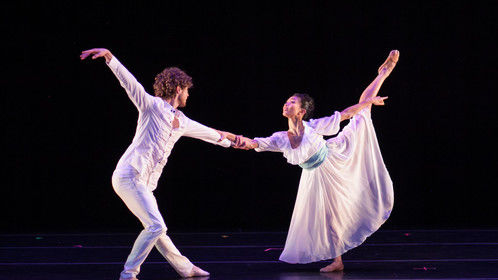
<point>96,53</point>
<point>223,135</point>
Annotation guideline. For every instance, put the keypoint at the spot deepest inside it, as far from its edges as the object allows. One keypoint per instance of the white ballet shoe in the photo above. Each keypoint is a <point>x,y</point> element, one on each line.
<point>196,272</point>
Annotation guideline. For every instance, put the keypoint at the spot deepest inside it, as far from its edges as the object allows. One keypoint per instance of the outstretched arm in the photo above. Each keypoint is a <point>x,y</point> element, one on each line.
<point>134,89</point>
<point>353,110</point>
<point>202,132</point>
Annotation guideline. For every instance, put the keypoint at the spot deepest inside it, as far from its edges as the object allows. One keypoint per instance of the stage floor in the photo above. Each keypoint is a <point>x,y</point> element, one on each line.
<point>388,254</point>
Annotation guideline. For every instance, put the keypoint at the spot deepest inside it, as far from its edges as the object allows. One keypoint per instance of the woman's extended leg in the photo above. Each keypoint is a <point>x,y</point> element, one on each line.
<point>384,70</point>
<point>371,91</point>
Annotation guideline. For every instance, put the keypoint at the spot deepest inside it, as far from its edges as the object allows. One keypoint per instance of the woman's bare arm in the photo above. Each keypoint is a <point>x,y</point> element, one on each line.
<point>353,110</point>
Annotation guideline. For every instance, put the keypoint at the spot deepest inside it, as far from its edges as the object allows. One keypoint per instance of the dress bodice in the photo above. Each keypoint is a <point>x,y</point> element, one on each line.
<point>310,144</point>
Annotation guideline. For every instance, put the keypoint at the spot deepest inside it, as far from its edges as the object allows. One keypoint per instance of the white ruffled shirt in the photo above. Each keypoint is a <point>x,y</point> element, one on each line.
<point>312,141</point>
<point>155,136</point>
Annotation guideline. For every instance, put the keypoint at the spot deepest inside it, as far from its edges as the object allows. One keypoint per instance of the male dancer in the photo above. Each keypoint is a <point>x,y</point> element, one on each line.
<point>160,125</point>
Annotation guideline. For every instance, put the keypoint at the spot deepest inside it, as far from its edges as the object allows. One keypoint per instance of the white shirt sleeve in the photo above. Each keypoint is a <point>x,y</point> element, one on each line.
<point>328,125</point>
<point>134,89</point>
<point>204,133</point>
<point>269,144</point>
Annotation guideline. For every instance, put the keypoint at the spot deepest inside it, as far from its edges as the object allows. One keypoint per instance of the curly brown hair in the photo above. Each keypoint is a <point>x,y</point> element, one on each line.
<point>166,82</point>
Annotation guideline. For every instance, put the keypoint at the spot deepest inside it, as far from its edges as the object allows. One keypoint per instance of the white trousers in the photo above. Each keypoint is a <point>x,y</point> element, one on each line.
<point>142,203</point>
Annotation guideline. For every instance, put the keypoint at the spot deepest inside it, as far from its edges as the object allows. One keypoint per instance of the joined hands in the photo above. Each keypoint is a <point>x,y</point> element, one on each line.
<point>243,143</point>
<point>237,141</point>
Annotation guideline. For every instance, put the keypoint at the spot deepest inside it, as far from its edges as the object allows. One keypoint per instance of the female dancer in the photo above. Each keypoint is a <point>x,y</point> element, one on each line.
<point>345,193</point>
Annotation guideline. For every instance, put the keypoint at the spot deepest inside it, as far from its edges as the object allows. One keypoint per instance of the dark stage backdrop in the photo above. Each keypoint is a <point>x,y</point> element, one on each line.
<point>66,122</point>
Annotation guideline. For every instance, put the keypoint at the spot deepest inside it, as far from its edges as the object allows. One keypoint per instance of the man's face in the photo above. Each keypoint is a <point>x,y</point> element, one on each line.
<point>182,97</point>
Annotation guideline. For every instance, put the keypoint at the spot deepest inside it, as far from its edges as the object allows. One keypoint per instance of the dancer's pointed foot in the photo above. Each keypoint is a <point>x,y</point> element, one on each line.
<point>196,272</point>
<point>133,278</point>
<point>387,67</point>
<point>333,267</point>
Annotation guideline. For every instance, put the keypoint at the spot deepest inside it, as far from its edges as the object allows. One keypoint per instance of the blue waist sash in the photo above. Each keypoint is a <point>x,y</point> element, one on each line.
<point>316,160</point>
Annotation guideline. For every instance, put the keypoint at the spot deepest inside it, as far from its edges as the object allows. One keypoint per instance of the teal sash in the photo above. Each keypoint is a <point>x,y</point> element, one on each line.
<point>316,159</point>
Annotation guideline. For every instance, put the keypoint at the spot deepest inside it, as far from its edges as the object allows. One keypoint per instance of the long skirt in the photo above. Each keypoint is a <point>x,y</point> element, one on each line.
<point>344,200</point>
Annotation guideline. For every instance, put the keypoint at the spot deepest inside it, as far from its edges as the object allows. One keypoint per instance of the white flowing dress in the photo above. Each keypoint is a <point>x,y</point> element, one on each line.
<point>345,199</point>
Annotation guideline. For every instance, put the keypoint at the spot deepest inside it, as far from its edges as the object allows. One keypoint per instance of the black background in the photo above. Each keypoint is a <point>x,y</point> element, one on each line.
<point>67,122</point>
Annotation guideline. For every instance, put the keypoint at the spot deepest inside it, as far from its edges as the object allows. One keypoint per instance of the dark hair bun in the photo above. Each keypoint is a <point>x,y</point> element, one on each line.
<point>307,103</point>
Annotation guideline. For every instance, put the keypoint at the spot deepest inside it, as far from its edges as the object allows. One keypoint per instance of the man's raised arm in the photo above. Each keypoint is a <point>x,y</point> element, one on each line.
<point>134,89</point>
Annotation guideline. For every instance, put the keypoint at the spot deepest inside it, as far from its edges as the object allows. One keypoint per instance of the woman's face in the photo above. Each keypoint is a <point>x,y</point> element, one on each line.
<point>292,108</point>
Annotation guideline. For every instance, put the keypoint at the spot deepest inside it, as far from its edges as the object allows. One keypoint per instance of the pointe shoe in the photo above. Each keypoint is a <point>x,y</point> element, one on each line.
<point>133,278</point>
<point>333,267</point>
<point>196,272</point>
<point>388,66</point>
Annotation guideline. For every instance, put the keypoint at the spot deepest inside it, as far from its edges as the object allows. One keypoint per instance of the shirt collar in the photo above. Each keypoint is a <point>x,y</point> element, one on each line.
<point>169,107</point>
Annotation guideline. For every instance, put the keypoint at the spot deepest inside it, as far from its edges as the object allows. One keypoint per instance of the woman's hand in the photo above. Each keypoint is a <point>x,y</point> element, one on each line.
<point>96,53</point>
<point>353,110</point>
<point>378,100</point>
